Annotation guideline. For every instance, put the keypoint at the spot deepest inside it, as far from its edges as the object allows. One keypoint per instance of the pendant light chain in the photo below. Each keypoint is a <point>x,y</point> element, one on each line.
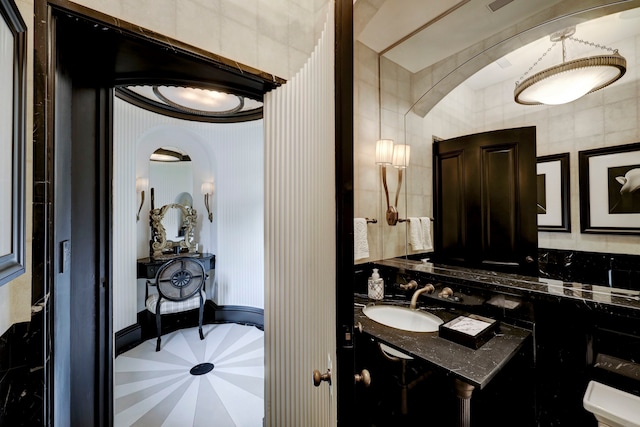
<point>585,42</point>
<point>599,46</point>
<point>535,63</point>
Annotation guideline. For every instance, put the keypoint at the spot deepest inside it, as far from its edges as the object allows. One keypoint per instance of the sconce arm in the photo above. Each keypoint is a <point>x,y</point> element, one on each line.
<point>383,171</point>
<point>399,186</point>
<point>206,204</point>
<point>141,203</point>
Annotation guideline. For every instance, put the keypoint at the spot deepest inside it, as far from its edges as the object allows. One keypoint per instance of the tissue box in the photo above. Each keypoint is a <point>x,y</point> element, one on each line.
<point>471,330</point>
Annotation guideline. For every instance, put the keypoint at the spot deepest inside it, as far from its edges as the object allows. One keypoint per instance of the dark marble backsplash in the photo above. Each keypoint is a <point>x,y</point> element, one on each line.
<point>595,268</point>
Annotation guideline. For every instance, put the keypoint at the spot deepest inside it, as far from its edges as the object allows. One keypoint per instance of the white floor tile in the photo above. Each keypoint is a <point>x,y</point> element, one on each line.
<point>155,388</point>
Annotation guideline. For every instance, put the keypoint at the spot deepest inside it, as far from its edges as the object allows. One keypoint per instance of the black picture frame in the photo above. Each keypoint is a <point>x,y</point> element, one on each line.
<point>605,206</point>
<point>553,202</point>
<point>12,140</point>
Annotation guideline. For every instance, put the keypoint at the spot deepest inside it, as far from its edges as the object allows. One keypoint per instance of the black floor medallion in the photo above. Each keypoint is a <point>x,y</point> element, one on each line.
<point>201,369</point>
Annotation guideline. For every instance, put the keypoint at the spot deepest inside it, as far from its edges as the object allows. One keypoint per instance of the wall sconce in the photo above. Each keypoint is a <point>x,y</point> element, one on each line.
<point>207,189</point>
<point>398,156</point>
<point>141,186</point>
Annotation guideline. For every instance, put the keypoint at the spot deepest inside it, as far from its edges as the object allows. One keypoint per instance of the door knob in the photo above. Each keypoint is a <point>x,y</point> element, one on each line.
<point>319,377</point>
<point>363,377</point>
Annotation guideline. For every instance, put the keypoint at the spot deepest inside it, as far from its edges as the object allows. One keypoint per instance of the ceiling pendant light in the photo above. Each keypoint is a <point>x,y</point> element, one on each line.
<point>572,79</point>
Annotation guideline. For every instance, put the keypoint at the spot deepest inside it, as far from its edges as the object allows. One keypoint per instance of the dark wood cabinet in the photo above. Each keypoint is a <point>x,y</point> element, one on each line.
<point>485,200</point>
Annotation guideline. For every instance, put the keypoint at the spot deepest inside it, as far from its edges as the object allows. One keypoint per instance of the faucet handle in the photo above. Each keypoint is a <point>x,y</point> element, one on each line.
<point>446,292</point>
<point>409,286</point>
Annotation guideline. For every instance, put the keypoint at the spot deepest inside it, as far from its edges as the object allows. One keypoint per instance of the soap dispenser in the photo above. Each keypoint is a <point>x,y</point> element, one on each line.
<point>376,286</point>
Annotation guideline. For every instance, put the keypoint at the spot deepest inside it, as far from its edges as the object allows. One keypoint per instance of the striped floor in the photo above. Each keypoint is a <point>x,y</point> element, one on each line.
<point>157,389</point>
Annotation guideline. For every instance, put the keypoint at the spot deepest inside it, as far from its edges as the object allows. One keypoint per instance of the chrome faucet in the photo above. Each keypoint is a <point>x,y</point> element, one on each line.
<point>414,299</point>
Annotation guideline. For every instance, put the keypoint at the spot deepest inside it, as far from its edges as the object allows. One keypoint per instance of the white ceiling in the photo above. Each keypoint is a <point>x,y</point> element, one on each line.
<point>463,27</point>
<point>395,19</point>
<point>470,22</point>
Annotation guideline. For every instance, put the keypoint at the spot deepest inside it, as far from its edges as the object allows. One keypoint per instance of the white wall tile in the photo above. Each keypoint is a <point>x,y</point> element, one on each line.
<point>604,118</point>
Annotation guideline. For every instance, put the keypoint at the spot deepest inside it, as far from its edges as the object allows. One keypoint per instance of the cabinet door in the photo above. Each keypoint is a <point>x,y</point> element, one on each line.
<point>485,200</point>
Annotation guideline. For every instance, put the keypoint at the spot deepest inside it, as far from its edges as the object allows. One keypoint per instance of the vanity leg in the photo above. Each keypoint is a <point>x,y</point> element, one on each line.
<point>463,393</point>
<point>404,390</point>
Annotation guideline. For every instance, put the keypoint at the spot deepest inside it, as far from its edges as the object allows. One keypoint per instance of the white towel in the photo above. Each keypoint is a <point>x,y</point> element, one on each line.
<point>360,240</point>
<point>415,234</point>
<point>427,243</point>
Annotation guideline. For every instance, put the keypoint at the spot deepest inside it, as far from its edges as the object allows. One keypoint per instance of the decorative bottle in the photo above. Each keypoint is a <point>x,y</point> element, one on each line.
<point>376,286</point>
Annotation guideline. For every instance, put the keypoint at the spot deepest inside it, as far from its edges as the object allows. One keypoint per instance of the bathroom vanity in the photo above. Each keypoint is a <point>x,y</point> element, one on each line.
<point>552,338</point>
<point>469,368</point>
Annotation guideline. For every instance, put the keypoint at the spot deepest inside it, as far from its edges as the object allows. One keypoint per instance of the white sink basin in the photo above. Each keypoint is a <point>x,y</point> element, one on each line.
<point>403,318</point>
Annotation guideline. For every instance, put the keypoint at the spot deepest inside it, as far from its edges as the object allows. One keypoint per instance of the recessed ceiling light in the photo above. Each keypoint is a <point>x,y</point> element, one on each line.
<point>194,102</point>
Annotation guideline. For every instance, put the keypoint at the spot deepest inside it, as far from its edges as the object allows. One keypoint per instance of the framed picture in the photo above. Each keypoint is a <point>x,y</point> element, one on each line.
<point>610,190</point>
<point>553,193</point>
<point>12,141</point>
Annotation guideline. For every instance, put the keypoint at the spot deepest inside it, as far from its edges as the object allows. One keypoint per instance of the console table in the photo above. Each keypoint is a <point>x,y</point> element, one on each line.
<point>148,267</point>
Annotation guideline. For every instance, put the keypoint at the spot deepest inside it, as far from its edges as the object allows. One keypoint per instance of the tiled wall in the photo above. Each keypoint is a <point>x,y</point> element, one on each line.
<point>272,36</point>
<point>606,118</point>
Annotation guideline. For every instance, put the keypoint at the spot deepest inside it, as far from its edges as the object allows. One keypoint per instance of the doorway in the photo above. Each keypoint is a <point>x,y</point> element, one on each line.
<point>73,170</point>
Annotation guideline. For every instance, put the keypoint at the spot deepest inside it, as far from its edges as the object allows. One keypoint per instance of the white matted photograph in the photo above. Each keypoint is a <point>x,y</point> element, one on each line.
<point>553,193</point>
<point>610,190</point>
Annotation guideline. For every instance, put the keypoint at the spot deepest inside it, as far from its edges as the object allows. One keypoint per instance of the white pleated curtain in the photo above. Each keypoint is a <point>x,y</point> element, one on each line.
<point>300,239</point>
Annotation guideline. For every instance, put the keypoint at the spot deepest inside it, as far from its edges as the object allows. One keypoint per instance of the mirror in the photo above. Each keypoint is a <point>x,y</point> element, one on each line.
<point>161,246</point>
<point>446,91</point>
<point>173,224</point>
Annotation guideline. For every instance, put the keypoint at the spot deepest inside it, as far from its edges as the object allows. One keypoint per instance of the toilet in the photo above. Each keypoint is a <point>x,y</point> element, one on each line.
<point>612,407</point>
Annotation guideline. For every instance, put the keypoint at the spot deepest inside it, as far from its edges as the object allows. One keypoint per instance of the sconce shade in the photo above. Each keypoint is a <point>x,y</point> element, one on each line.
<point>401,155</point>
<point>207,188</point>
<point>141,184</point>
<point>384,151</point>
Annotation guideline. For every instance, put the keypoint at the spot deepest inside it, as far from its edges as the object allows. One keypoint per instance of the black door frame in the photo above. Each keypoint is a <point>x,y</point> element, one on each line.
<point>80,56</point>
<point>345,351</point>
<point>91,66</point>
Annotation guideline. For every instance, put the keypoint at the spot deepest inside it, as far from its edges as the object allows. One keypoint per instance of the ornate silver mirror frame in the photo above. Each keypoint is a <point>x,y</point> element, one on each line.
<point>161,248</point>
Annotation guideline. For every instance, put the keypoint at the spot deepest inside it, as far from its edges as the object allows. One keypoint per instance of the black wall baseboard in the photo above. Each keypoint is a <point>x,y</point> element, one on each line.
<point>128,338</point>
<point>237,314</point>
<point>145,328</point>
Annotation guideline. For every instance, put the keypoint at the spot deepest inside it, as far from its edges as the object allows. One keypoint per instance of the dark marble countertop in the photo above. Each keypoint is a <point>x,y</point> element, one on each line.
<point>475,367</point>
<point>593,296</point>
